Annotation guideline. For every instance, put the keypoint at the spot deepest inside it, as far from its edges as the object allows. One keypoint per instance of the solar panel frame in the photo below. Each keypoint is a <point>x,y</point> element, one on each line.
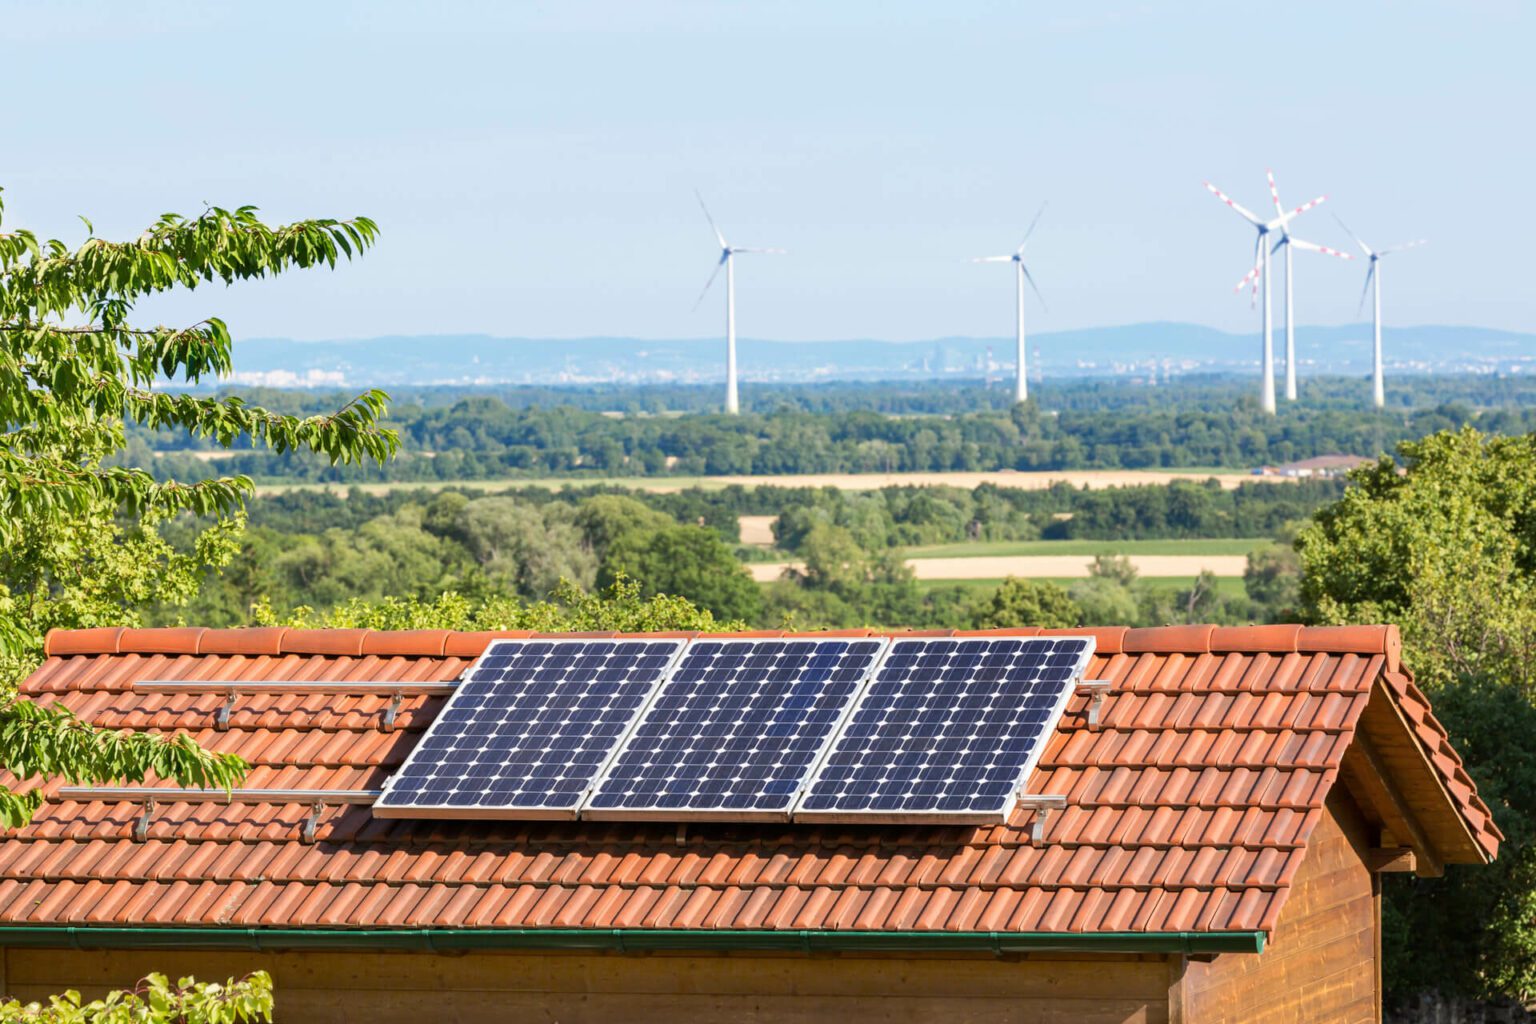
<point>933,815</point>
<point>383,809</point>
<point>719,812</point>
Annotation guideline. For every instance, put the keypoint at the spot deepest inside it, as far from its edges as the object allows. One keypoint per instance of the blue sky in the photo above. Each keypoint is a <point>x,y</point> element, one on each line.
<point>532,165</point>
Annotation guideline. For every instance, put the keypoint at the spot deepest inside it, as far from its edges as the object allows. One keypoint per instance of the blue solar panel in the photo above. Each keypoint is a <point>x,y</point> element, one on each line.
<point>735,730</point>
<point>947,730</point>
<point>528,731</point>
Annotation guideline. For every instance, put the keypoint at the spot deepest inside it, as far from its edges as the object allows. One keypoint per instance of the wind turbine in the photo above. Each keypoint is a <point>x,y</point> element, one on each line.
<point>1260,274</point>
<point>1021,272</point>
<point>1288,241</point>
<point>1373,276</point>
<point>728,261</point>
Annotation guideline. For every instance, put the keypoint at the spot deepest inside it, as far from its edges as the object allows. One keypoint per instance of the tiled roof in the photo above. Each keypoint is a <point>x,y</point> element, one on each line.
<point>1188,806</point>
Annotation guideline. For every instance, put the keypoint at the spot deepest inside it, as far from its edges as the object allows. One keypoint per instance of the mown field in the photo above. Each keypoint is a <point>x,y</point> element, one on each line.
<point>1091,478</point>
<point>1090,548</point>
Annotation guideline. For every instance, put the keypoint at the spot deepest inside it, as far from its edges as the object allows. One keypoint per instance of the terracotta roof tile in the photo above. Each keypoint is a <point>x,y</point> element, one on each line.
<point>1188,806</point>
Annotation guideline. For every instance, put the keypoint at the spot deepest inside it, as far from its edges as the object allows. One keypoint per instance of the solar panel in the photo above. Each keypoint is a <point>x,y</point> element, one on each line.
<point>734,731</point>
<point>528,731</point>
<point>946,731</point>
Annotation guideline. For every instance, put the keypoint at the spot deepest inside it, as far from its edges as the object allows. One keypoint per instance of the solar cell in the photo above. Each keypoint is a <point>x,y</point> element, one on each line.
<point>528,730</point>
<point>734,730</point>
<point>946,731</point>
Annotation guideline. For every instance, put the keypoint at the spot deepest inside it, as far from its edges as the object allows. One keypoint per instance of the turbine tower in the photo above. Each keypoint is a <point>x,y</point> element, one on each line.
<point>1259,275</point>
<point>1021,272</point>
<point>1373,277</point>
<point>1290,307</point>
<point>728,261</point>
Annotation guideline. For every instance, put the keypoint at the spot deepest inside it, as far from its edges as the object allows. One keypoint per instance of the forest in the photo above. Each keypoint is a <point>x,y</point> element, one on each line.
<point>450,434</point>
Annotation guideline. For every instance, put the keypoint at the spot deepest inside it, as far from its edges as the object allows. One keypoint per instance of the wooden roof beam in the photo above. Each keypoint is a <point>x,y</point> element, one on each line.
<point>1370,779</point>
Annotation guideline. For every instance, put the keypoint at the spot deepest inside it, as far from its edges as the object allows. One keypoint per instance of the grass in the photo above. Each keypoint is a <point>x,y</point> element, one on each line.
<point>1088,548</point>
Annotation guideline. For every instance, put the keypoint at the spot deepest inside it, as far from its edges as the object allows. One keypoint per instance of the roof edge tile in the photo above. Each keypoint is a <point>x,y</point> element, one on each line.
<point>435,643</point>
<point>82,641</point>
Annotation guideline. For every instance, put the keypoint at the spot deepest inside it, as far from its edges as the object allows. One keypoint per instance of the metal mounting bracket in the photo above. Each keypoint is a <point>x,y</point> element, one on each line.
<point>221,719</point>
<point>141,827</point>
<point>392,712</point>
<point>312,823</point>
<point>1097,689</point>
<point>1042,804</point>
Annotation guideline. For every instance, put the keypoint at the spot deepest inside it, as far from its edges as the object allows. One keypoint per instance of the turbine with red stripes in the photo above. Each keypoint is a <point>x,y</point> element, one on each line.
<point>1373,276</point>
<point>1259,276</point>
<point>1290,306</point>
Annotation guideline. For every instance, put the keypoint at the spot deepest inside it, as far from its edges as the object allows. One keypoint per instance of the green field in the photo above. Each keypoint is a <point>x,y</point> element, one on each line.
<point>1226,586</point>
<point>984,549</point>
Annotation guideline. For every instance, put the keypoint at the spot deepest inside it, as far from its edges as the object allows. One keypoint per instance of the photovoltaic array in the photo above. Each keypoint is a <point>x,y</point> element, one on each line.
<point>735,729</point>
<point>816,728</point>
<point>947,730</point>
<point>528,730</point>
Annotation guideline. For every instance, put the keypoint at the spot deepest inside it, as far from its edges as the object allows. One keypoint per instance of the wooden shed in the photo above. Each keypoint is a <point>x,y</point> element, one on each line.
<point>1230,803</point>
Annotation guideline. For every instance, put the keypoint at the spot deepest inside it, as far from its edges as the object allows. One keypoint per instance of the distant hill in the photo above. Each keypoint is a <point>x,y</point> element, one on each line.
<point>1132,348</point>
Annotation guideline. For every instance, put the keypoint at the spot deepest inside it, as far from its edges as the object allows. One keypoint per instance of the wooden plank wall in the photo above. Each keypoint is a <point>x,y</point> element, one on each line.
<point>1323,961</point>
<point>408,988</point>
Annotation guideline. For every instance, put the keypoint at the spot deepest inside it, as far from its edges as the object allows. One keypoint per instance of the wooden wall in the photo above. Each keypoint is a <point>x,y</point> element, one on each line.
<point>1322,963</point>
<point>407,988</point>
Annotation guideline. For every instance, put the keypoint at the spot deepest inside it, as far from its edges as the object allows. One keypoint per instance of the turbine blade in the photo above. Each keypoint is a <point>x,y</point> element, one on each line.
<point>718,236</point>
<point>1405,245</point>
<point>1031,229</point>
<point>1314,247</point>
<point>992,259</point>
<point>1034,287</point>
<point>1219,194</point>
<point>1363,247</point>
<point>1252,275</point>
<point>1367,289</point>
<point>1274,194</point>
<point>776,252</point>
<point>712,275</point>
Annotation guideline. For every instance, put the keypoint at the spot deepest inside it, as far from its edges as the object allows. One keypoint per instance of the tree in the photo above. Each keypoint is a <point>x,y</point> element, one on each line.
<point>154,1000</point>
<point>1020,602</point>
<point>690,561</point>
<point>619,607</point>
<point>1446,548</point>
<point>78,532</point>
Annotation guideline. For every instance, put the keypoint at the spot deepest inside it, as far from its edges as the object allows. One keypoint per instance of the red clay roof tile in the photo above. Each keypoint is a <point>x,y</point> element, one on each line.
<point>1188,806</point>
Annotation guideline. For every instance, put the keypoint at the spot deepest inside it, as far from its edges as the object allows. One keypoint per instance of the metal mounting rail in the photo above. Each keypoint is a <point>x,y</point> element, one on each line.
<point>396,690</point>
<point>152,796</point>
<point>220,796</point>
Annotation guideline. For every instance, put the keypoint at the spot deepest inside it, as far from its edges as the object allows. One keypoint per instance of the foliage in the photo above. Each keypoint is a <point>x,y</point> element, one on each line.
<point>1446,548</point>
<point>620,606</point>
<point>495,433</point>
<point>1028,603</point>
<point>154,1000</point>
<point>79,535</point>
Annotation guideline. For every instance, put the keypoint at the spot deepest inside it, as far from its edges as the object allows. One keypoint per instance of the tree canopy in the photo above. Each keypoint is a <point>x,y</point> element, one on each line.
<point>79,535</point>
<point>1445,546</point>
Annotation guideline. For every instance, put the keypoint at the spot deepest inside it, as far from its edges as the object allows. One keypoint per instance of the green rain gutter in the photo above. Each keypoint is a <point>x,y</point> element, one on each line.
<point>631,940</point>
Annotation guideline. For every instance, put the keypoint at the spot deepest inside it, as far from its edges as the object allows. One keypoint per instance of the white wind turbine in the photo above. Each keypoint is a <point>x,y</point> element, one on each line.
<point>728,261</point>
<point>1021,272</point>
<point>1373,276</point>
<point>1287,240</point>
<point>1260,275</point>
